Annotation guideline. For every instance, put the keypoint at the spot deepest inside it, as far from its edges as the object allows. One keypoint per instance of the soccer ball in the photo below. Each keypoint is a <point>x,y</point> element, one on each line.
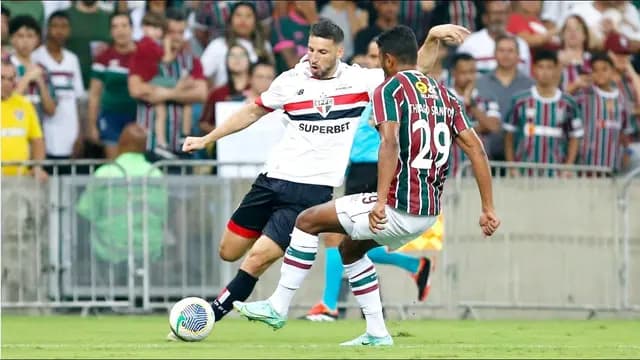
<point>191,319</point>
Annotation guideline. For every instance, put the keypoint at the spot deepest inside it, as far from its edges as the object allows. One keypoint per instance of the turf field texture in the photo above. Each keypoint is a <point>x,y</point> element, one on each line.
<point>144,337</point>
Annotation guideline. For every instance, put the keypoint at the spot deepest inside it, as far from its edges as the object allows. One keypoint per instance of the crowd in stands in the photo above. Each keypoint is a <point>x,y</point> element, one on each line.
<point>541,81</point>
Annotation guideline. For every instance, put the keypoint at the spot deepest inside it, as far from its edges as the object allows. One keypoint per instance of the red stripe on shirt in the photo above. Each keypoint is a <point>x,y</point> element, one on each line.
<point>345,99</point>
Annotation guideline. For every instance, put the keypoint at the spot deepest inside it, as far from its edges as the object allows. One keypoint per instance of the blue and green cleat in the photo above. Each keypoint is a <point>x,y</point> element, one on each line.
<point>260,311</point>
<point>369,340</point>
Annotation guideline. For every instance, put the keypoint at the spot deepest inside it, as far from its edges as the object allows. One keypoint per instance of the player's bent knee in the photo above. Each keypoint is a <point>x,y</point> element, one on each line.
<point>233,247</point>
<point>228,253</point>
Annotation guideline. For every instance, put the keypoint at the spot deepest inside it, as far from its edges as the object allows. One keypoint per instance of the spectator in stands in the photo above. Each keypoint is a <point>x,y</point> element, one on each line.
<point>21,136</point>
<point>158,7</point>
<point>525,23</point>
<point>33,79</point>
<point>464,13</point>
<point>238,66</point>
<point>262,75</point>
<point>500,84</point>
<point>191,86</point>
<point>111,107</point>
<point>625,18</point>
<point>439,71</point>
<point>387,17</point>
<point>89,34</point>
<point>349,17</point>
<point>105,202</point>
<point>290,34</point>
<point>592,12</point>
<point>554,12</point>
<point>484,113</point>
<point>626,77</point>
<point>481,44</point>
<point>242,27</point>
<point>215,14</point>
<point>544,125</point>
<point>574,55</point>
<point>62,129</point>
<point>606,118</point>
<point>4,24</point>
<point>35,9</point>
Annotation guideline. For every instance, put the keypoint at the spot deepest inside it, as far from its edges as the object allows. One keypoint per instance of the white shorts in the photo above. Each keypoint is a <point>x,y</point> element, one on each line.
<point>401,227</point>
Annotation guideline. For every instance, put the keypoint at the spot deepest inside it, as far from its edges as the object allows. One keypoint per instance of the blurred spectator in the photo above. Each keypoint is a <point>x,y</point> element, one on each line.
<point>525,22</point>
<point>574,55</point>
<point>237,65</point>
<point>481,44</point>
<point>89,34</point>
<point>158,7</point>
<point>387,17</point>
<point>606,123</point>
<point>62,129</point>
<point>214,15</point>
<point>21,136</point>
<point>418,15</point>
<point>544,124</point>
<point>500,85</point>
<point>555,12</point>
<point>465,13</point>
<point>190,86</point>
<point>484,114</point>
<point>350,18</point>
<point>592,12</point>
<point>6,45</point>
<point>262,75</point>
<point>290,34</point>
<point>242,28</point>
<point>439,71</point>
<point>200,36</point>
<point>105,202</point>
<point>34,8</point>
<point>626,77</point>
<point>624,18</point>
<point>111,107</point>
<point>33,79</point>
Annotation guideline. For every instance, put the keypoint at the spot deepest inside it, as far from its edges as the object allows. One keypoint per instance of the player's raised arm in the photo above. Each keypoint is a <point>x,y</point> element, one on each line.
<point>428,52</point>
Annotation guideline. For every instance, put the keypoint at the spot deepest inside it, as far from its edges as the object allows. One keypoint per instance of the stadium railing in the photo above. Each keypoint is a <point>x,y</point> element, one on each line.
<point>569,240</point>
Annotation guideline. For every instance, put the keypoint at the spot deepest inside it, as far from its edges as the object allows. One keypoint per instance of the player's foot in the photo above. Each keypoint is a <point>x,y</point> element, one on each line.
<point>369,340</point>
<point>423,278</point>
<point>172,337</point>
<point>260,311</point>
<point>320,312</point>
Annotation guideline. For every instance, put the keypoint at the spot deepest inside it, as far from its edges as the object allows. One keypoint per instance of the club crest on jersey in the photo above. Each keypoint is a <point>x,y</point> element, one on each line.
<point>323,105</point>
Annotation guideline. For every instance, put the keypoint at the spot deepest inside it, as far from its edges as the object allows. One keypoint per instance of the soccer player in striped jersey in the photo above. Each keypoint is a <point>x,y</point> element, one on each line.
<point>321,100</point>
<point>606,118</point>
<point>418,119</point>
<point>484,113</point>
<point>544,124</point>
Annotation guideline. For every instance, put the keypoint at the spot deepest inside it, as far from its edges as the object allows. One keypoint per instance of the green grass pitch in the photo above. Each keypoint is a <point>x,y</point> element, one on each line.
<point>144,337</point>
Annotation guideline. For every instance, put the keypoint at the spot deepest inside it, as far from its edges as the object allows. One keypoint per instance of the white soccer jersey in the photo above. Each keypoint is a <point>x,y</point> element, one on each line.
<point>322,117</point>
<point>62,129</point>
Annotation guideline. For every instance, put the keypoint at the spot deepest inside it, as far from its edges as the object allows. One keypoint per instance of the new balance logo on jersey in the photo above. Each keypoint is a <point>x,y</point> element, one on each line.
<point>323,105</point>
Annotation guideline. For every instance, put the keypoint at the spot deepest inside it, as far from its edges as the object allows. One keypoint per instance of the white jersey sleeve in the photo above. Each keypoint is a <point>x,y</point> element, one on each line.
<point>373,78</point>
<point>276,96</point>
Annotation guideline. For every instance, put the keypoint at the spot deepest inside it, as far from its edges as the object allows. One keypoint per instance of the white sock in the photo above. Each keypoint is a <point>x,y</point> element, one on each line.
<point>364,285</point>
<point>296,264</point>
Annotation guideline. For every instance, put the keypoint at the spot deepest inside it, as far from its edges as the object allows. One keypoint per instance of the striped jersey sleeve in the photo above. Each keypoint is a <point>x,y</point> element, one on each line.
<point>460,121</point>
<point>573,121</point>
<point>388,99</point>
<point>511,121</point>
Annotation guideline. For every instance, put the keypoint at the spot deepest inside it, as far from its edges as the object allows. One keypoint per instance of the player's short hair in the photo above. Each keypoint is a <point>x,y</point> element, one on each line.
<point>401,43</point>
<point>58,14</point>
<point>176,14</point>
<point>507,37</point>
<point>601,56</point>
<point>21,21</point>
<point>327,29</point>
<point>154,20</point>
<point>463,56</point>
<point>544,54</point>
<point>116,14</point>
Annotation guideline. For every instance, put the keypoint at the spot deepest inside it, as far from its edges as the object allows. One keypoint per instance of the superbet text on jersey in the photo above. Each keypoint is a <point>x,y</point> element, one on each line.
<point>430,116</point>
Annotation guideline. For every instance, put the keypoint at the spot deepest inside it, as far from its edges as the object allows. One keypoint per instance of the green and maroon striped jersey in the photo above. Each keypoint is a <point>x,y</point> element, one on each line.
<point>32,91</point>
<point>542,126</point>
<point>112,69</point>
<point>430,116</point>
<point>605,121</point>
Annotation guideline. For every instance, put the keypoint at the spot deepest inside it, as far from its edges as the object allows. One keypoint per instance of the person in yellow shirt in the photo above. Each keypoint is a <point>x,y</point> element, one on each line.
<point>20,132</point>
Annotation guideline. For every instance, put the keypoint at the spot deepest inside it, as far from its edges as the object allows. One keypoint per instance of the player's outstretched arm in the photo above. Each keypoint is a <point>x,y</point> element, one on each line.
<point>472,147</point>
<point>241,119</point>
<point>428,52</point>
<point>387,162</point>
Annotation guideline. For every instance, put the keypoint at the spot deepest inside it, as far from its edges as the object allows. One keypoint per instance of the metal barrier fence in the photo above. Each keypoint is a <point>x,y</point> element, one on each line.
<point>92,237</point>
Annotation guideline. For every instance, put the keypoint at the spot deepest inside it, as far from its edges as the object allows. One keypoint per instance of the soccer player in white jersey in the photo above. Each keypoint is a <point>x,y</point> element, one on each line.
<point>418,119</point>
<point>322,99</point>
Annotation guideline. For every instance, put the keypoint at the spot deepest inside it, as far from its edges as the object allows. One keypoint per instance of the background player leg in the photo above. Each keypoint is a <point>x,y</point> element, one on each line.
<point>419,268</point>
<point>326,309</point>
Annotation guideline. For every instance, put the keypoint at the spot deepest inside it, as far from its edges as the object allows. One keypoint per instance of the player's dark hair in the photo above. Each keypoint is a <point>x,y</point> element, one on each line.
<point>600,56</point>
<point>507,37</point>
<point>21,21</point>
<point>58,14</point>
<point>463,56</point>
<point>5,11</point>
<point>401,43</point>
<point>120,13</point>
<point>176,14</point>
<point>544,54</point>
<point>327,29</point>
